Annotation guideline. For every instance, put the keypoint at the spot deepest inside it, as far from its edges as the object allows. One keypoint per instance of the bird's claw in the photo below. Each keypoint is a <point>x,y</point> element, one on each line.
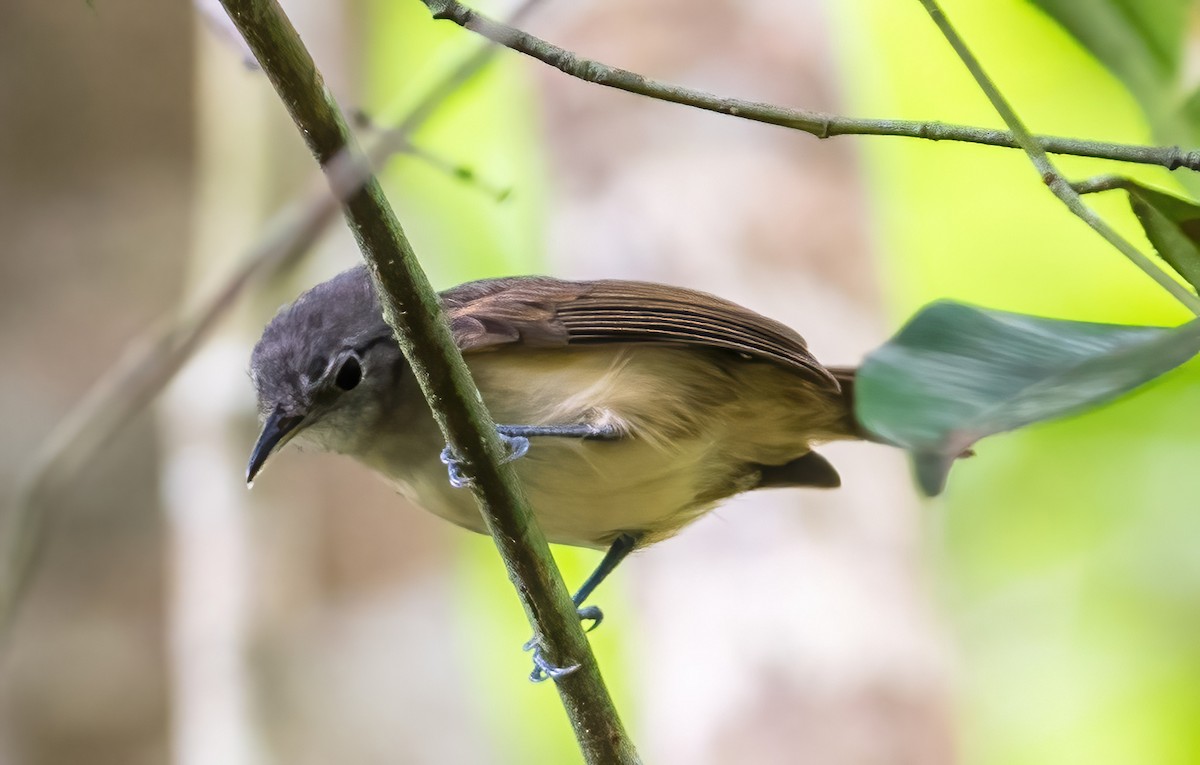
<point>458,479</point>
<point>542,668</point>
<point>591,614</point>
<point>515,446</point>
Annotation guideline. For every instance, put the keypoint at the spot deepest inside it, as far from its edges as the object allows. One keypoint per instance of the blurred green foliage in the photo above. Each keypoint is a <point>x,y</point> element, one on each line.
<point>1062,553</point>
<point>1142,43</point>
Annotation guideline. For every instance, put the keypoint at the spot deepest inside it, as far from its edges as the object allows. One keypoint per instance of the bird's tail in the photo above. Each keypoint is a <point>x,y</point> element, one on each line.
<point>846,378</point>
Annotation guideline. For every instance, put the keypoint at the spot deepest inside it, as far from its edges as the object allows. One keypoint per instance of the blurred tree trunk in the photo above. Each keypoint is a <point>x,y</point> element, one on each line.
<point>241,574</point>
<point>95,175</point>
<point>210,531</point>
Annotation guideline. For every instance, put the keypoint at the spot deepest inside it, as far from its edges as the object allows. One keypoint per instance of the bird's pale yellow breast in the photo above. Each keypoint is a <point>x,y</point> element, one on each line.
<point>695,427</point>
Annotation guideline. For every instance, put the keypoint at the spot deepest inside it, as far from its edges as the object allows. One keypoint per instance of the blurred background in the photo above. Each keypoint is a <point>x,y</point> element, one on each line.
<point>1046,608</point>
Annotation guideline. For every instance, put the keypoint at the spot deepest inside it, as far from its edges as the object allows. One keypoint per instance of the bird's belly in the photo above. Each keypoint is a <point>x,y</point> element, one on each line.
<point>585,493</point>
<point>588,493</point>
<point>690,433</point>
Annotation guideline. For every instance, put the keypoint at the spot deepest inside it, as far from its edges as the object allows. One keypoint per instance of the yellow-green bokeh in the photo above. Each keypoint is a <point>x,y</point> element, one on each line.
<point>1066,562</point>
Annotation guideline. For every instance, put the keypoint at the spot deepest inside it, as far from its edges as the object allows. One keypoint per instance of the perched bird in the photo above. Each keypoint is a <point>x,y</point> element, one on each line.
<point>634,407</point>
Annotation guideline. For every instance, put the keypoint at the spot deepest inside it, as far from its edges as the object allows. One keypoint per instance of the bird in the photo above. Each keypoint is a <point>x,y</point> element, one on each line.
<point>631,408</point>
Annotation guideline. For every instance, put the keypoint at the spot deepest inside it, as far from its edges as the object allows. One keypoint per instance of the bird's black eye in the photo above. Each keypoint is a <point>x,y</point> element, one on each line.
<point>350,375</point>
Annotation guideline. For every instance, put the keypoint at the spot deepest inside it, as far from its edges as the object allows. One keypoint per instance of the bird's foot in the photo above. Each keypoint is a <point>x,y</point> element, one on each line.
<point>516,441</point>
<point>591,614</point>
<point>516,447</point>
<point>458,479</point>
<point>542,668</point>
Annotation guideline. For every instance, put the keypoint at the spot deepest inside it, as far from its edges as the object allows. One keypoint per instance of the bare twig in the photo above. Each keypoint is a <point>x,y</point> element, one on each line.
<point>398,142</point>
<point>816,123</point>
<point>1050,175</point>
<point>461,172</point>
<point>414,312</point>
<point>1101,183</point>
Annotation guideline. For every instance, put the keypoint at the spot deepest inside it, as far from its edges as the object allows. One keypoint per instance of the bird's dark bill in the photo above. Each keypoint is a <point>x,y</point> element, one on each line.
<point>276,431</point>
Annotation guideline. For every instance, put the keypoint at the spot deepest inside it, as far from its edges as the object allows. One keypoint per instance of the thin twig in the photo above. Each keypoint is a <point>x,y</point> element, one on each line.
<point>151,362</point>
<point>1101,183</point>
<point>398,142</point>
<point>460,172</point>
<point>816,123</point>
<point>414,312</point>
<point>1050,175</point>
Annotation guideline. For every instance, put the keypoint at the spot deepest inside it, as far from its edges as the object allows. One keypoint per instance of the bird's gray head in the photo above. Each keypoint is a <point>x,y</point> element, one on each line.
<point>323,366</point>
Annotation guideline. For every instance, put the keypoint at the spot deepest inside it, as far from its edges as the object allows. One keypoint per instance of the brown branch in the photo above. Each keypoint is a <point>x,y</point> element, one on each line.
<point>414,312</point>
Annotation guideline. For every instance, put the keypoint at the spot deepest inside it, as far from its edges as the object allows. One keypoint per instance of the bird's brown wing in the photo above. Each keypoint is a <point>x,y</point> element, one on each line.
<point>540,312</point>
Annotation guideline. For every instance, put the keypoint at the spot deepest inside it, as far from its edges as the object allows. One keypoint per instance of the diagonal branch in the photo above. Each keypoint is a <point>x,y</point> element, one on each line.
<point>414,312</point>
<point>818,124</point>
<point>1050,175</point>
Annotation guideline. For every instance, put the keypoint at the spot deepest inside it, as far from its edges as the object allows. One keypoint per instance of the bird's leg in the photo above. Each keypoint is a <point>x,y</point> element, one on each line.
<point>516,440</point>
<point>581,430</point>
<point>515,445</point>
<point>617,552</point>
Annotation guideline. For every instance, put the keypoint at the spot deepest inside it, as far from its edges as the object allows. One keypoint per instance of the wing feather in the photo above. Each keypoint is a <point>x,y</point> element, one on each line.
<point>540,312</point>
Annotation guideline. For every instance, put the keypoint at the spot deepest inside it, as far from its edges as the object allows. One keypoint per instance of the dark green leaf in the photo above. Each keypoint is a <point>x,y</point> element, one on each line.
<point>957,373</point>
<point>1172,225</point>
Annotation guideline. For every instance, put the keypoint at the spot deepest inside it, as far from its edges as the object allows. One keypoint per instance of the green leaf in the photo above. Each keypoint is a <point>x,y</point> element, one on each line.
<point>957,373</point>
<point>1172,225</point>
<point>1140,41</point>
